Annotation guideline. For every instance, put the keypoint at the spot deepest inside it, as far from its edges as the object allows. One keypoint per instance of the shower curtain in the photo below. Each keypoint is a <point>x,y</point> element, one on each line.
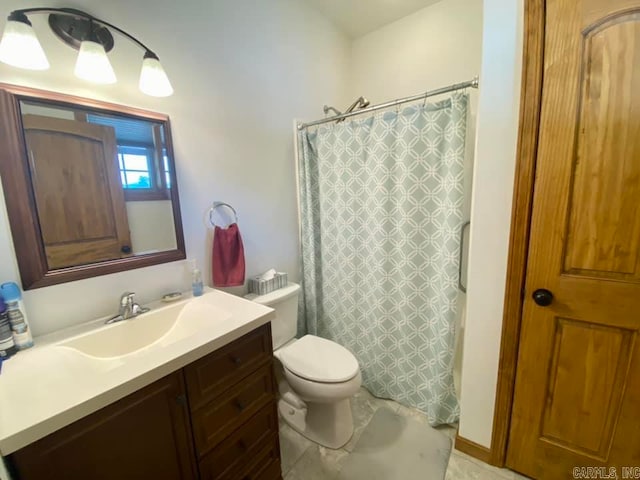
<point>381,207</point>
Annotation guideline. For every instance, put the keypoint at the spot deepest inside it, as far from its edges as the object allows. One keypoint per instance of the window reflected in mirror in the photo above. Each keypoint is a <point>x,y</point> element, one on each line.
<point>101,183</point>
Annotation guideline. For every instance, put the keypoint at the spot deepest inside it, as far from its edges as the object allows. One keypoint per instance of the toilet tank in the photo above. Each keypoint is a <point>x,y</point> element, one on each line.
<point>285,302</point>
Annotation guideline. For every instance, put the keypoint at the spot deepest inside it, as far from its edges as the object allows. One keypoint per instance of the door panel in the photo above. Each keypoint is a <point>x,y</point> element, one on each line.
<point>91,195</point>
<point>146,435</point>
<point>588,368</point>
<point>604,233</point>
<point>578,373</point>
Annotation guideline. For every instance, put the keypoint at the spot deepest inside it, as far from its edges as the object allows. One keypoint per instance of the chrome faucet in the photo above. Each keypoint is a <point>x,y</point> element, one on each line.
<point>127,309</point>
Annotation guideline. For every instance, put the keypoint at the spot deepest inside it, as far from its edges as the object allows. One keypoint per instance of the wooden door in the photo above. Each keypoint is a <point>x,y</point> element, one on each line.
<point>78,192</point>
<point>146,435</point>
<point>577,393</point>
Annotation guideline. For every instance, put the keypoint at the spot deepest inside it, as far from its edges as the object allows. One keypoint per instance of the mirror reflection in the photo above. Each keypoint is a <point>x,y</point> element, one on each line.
<point>101,182</point>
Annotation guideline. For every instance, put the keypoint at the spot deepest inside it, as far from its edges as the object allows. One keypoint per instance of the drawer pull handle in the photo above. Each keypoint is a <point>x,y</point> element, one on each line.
<point>236,360</point>
<point>239,405</point>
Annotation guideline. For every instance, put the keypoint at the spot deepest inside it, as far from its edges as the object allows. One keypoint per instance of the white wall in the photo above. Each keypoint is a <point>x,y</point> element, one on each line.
<point>437,46</point>
<point>241,69</point>
<point>151,225</point>
<point>498,112</point>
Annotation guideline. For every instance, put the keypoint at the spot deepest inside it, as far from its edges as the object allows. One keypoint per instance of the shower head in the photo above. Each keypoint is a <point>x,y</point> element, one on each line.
<point>361,102</point>
<point>327,108</point>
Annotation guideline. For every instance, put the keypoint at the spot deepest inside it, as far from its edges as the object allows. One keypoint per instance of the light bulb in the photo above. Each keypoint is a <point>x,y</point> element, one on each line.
<point>153,79</point>
<point>93,64</point>
<point>19,46</point>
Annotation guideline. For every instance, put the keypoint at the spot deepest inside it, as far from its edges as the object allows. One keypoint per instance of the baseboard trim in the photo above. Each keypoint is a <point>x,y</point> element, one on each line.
<point>473,449</point>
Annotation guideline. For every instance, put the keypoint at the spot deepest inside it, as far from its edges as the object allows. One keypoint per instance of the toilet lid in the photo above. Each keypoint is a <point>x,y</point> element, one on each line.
<point>319,360</point>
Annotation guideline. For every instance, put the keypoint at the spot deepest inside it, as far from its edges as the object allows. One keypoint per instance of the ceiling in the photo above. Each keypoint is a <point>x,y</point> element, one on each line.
<point>359,17</point>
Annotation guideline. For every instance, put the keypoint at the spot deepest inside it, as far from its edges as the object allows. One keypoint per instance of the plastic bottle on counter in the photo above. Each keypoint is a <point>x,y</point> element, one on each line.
<point>7,344</point>
<point>12,295</point>
<point>196,281</point>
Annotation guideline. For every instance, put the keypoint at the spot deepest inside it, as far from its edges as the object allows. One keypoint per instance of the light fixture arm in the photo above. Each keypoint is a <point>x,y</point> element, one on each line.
<point>80,13</point>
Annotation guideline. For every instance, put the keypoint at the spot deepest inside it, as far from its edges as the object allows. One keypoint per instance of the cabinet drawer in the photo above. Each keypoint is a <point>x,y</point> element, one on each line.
<point>236,450</point>
<point>266,465</point>
<point>211,375</point>
<point>216,420</point>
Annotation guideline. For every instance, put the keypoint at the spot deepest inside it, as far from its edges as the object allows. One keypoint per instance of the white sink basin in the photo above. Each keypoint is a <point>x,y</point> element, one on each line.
<point>158,327</point>
<point>91,365</point>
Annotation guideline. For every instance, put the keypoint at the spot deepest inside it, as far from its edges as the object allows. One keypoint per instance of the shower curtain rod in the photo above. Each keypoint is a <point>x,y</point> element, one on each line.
<point>451,88</point>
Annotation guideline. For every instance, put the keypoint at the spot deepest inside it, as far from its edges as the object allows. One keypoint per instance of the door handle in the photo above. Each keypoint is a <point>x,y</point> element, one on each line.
<point>542,297</point>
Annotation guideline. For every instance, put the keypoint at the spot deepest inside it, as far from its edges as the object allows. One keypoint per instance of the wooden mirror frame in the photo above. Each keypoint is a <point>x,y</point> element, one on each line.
<point>20,199</point>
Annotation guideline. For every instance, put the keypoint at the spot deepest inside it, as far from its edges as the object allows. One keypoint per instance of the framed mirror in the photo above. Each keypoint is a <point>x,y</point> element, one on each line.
<point>90,187</point>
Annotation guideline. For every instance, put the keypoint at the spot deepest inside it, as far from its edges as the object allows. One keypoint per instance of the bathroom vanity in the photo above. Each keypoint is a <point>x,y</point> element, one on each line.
<point>211,414</point>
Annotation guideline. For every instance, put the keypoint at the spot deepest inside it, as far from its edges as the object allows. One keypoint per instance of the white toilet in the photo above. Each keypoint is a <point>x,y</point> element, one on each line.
<point>316,377</point>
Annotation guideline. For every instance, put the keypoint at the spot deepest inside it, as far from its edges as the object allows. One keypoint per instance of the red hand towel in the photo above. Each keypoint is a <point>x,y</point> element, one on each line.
<point>228,257</point>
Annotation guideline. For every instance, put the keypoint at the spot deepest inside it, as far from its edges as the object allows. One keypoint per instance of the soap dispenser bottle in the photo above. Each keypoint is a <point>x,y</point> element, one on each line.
<point>196,281</point>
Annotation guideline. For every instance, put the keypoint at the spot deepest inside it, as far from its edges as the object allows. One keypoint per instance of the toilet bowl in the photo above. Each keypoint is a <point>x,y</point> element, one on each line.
<point>316,377</point>
<point>320,377</point>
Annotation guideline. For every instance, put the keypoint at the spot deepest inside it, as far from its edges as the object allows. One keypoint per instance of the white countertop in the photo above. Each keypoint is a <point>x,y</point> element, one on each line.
<point>50,386</point>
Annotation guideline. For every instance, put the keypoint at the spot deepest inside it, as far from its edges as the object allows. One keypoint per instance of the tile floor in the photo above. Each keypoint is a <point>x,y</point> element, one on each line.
<point>304,460</point>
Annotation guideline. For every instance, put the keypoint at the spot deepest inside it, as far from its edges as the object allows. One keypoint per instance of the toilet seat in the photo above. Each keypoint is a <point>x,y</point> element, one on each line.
<point>319,360</point>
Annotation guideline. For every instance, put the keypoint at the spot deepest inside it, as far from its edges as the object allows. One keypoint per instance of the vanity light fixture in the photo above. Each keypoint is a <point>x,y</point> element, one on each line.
<point>89,35</point>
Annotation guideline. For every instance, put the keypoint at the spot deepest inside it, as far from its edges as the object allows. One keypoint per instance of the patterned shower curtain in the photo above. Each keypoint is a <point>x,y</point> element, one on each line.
<point>381,208</point>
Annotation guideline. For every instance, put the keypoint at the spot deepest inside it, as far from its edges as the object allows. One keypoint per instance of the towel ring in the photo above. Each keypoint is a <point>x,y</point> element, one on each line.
<point>217,205</point>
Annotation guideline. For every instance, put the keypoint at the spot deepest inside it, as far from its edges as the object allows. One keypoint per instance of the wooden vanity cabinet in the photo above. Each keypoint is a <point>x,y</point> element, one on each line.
<point>144,435</point>
<point>215,419</point>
